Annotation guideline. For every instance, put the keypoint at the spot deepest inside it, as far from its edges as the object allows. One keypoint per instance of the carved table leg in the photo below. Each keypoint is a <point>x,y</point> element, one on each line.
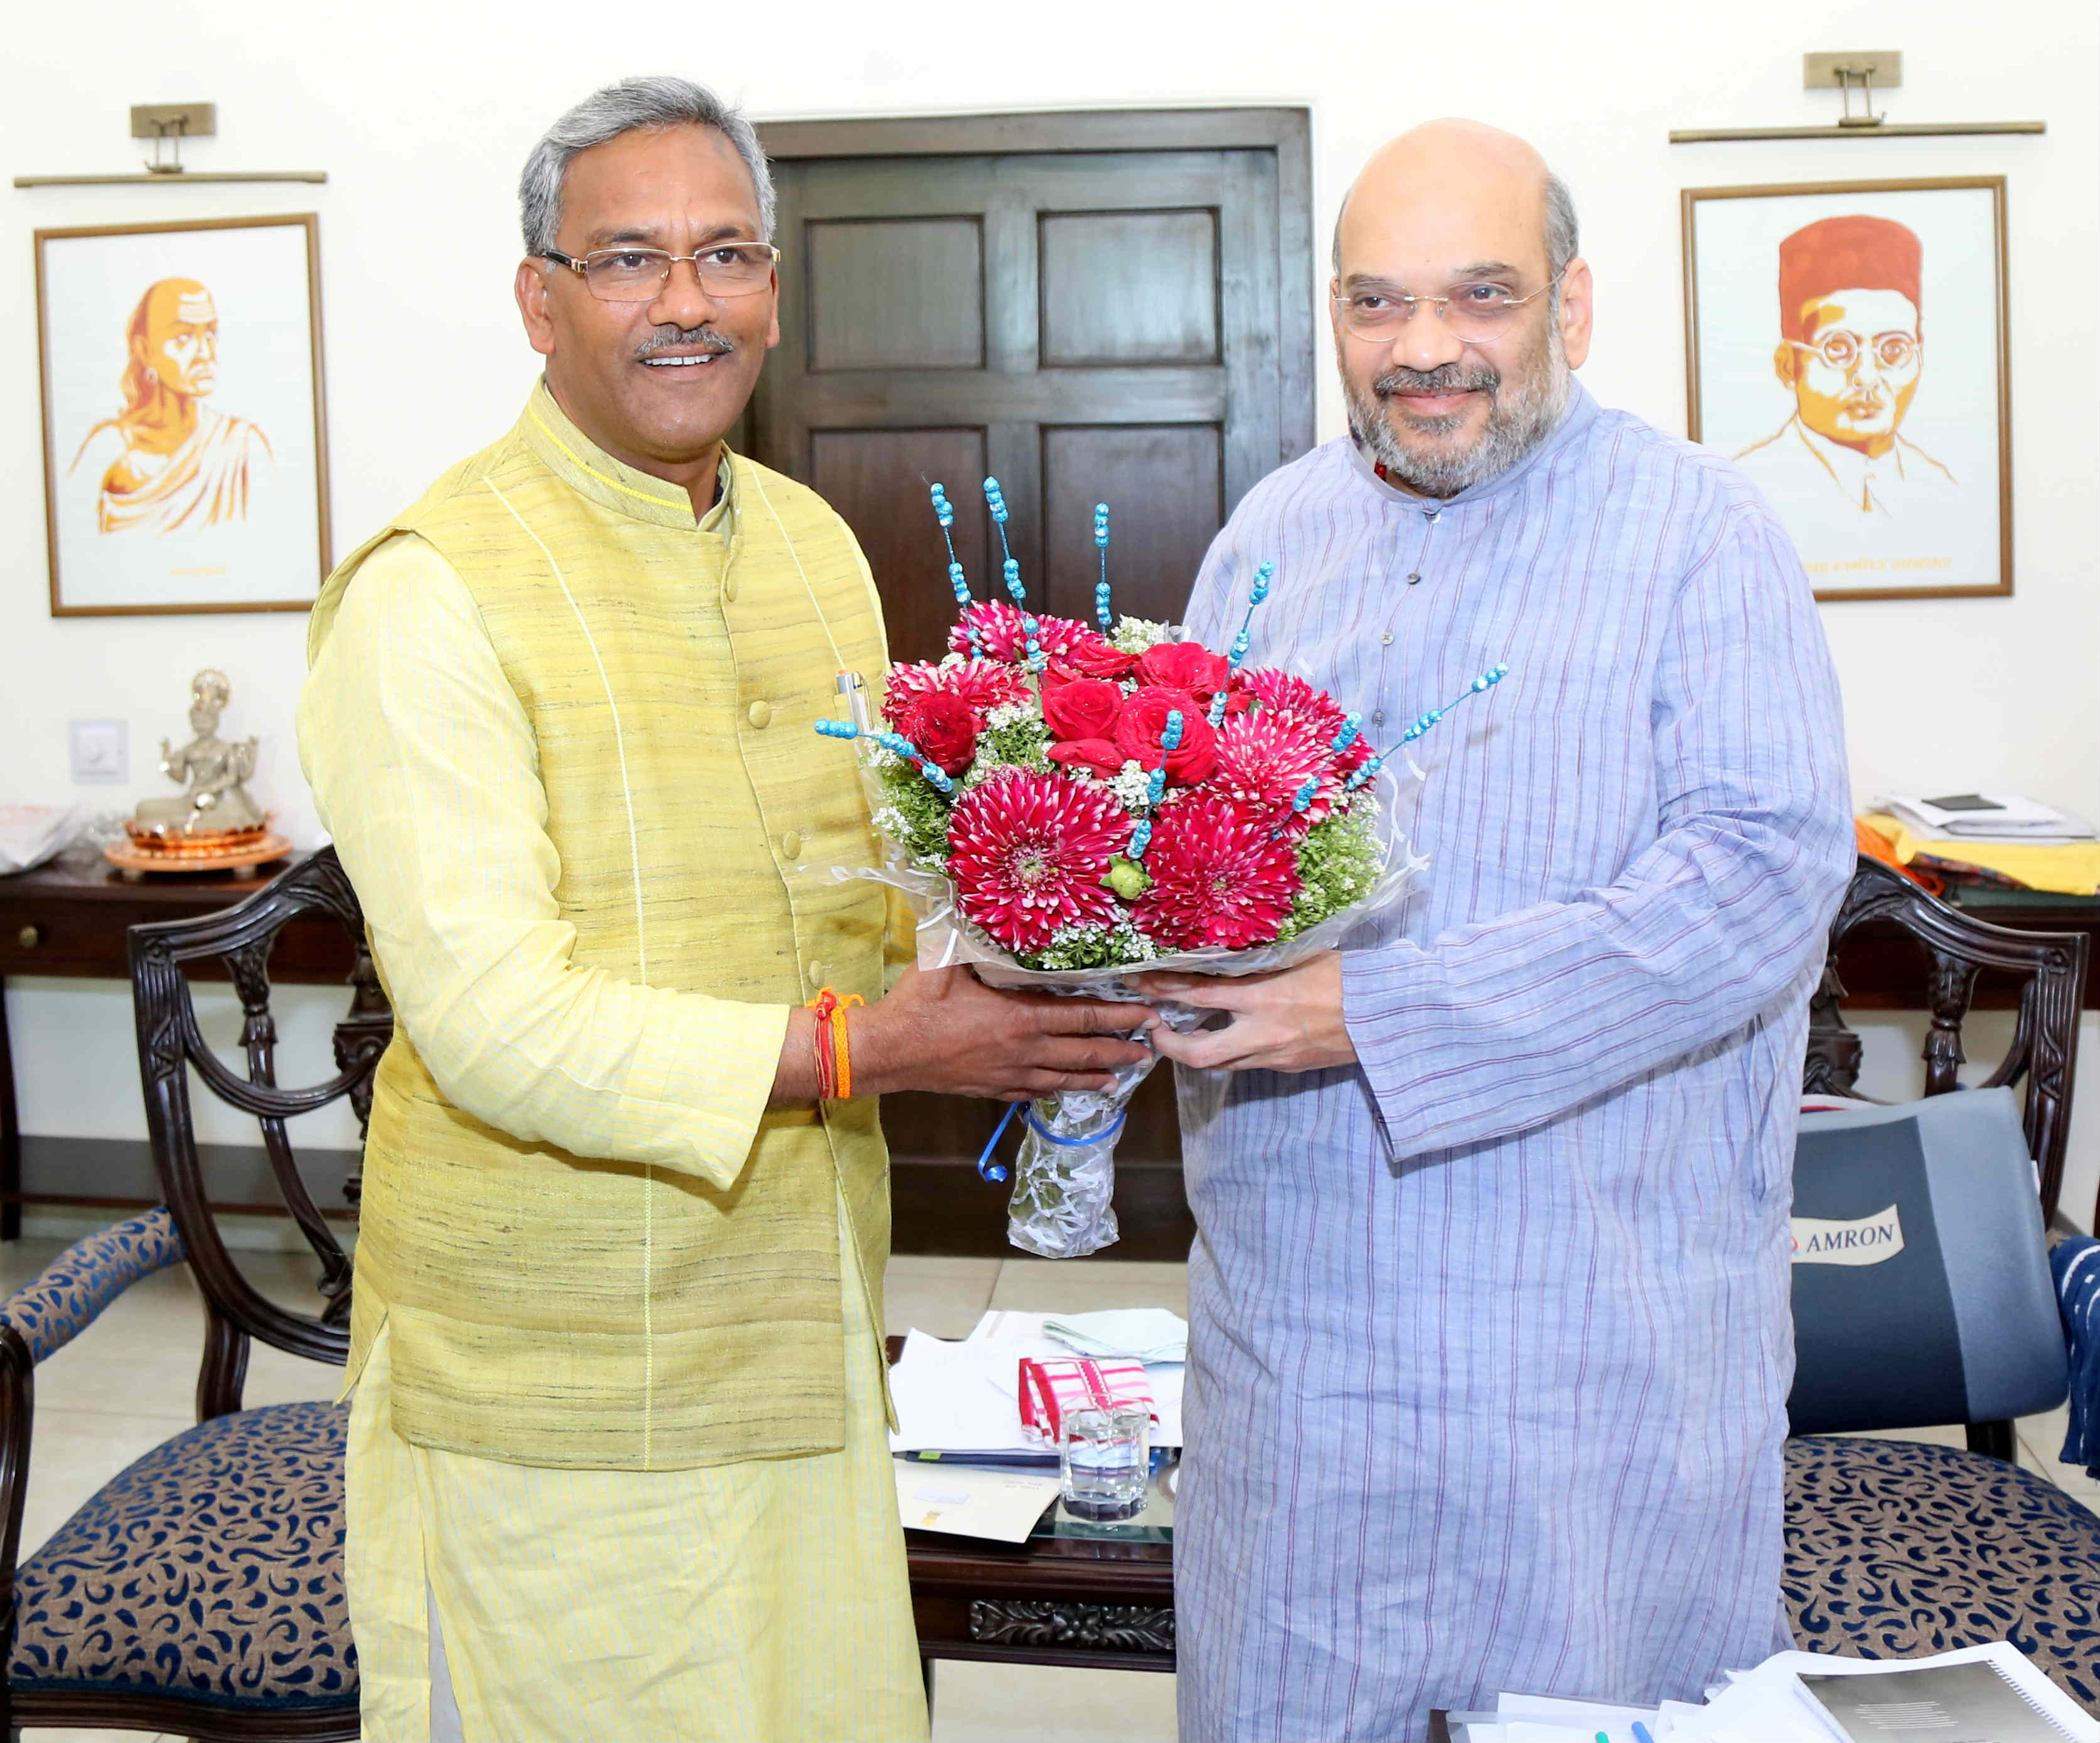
<point>10,1135</point>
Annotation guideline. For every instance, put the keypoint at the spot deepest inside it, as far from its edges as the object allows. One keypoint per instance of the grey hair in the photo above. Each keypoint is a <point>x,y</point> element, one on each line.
<point>1563,235</point>
<point>654,103</point>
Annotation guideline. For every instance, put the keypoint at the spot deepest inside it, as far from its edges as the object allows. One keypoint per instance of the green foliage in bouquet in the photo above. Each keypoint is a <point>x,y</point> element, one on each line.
<point>1338,863</point>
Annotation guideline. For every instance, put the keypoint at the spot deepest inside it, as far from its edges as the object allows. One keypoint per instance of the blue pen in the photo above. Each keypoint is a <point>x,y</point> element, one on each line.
<point>1642,1734</point>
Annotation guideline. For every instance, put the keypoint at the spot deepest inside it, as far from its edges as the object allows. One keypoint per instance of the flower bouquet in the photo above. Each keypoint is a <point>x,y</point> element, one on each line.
<point>1064,804</point>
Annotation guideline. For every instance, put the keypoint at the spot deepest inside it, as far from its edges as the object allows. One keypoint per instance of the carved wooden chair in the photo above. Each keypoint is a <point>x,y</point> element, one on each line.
<point>200,1591</point>
<point>1896,1549</point>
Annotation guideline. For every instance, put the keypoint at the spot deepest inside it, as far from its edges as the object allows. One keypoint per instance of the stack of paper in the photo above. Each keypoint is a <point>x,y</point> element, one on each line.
<point>30,834</point>
<point>1774,1704</point>
<point>1145,1335</point>
<point>1984,817</point>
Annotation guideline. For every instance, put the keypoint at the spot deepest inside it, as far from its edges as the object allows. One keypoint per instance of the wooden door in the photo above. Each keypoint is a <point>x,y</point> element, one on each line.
<point>1088,308</point>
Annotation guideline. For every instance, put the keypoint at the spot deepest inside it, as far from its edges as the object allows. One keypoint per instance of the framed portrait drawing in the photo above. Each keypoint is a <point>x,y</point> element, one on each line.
<point>185,451</point>
<point>1846,347</point>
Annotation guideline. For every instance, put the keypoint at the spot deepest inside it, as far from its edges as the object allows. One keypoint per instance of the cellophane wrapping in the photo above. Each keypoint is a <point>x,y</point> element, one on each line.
<point>1064,1177</point>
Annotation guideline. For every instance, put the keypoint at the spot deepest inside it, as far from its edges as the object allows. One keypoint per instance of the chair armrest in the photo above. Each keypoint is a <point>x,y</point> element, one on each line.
<point>71,1290</point>
<point>18,1386</point>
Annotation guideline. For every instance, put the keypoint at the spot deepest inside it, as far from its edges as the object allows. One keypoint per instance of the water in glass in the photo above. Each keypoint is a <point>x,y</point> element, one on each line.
<point>1106,1455</point>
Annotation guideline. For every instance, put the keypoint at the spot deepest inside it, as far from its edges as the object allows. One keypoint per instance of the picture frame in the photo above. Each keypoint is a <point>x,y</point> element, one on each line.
<point>1846,346</point>
<point>185,426</point>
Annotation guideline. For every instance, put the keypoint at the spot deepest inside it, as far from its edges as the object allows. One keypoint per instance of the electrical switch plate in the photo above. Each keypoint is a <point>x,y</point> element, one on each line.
<point>101,753</point>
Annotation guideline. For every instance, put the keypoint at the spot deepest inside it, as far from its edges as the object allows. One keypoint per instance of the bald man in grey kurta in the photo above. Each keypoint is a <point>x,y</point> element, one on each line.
<point>1490,1345</point>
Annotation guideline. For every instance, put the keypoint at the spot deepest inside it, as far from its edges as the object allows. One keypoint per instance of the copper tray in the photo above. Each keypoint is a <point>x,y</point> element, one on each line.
<point>222,850</point>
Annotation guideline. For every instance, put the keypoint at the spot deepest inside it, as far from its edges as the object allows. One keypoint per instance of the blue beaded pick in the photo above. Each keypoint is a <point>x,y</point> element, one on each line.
<point>1141,838</point>
<point>895,743</point>
<point>1244,640</point>
<point>1101,587</point>
<point>1486,681</point>
<point>944,511</point>
<point>995,500</point>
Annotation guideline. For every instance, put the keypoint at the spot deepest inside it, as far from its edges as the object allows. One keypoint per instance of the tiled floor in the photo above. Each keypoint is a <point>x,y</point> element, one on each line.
<point>127,1385</point>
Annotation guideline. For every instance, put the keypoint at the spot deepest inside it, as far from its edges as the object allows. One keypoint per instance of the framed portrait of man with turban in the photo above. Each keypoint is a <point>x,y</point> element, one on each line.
<point>1846,348</point>
<point>185,453</point>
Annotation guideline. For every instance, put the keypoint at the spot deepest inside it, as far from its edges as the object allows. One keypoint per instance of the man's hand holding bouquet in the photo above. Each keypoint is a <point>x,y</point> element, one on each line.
<point>1068,806</point>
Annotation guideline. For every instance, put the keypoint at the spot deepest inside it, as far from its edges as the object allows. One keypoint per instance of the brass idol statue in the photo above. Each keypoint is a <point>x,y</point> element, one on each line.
<point>215,825</point>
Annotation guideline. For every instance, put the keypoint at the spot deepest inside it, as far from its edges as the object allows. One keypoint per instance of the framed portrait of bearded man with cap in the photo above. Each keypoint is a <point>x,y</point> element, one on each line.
<point>185,468</point>
<point>1846,348</point>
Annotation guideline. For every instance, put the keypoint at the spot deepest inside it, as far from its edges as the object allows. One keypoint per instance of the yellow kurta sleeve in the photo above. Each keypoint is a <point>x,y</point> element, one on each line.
<point>425,770</point>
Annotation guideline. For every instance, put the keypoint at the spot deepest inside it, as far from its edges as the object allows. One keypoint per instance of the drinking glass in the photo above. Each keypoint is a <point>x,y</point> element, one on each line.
<point>1105,1452</point>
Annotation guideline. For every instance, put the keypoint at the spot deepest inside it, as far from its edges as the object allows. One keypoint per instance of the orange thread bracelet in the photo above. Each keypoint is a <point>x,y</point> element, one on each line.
<point>840,1047</point>
<point>833,1051</point>
<point>820,1038</point>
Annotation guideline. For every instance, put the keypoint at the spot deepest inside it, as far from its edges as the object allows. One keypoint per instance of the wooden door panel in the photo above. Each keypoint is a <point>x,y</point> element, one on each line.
<point>1064,182</point>
<point>880,399</point>
<point>880,481</point>
<point>1129,286</point>
<point>1164,486</point>
<point>895,293</point>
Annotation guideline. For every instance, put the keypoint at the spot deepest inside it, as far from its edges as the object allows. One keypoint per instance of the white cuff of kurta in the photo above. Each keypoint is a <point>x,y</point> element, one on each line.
<point>698,1085</point>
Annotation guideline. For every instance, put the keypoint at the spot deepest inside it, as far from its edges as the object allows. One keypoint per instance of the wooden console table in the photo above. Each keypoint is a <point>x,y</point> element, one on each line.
<point>72,921</point>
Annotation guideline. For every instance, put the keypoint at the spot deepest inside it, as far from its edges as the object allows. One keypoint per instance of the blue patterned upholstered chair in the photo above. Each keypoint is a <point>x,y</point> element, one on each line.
<point>1898,1550</point>
<point>200,1591</point>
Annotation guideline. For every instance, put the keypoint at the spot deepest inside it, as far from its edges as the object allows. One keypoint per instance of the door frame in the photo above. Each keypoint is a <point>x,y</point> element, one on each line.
<point>1288,132</point>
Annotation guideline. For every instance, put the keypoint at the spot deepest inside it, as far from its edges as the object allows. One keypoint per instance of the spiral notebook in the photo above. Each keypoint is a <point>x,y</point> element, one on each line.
<point>1947,1703</point>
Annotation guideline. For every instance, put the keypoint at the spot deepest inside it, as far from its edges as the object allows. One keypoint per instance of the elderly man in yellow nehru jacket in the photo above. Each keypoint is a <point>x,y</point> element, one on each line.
<point>617,1467</point>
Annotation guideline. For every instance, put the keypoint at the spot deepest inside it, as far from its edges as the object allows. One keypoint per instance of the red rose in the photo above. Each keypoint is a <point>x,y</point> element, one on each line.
<point>1097,657</point>
<point>1102,756</point>
<point>943,727</point>
<point>1143,723</point>
<point>1184,665</point>
<point>1086,707</point>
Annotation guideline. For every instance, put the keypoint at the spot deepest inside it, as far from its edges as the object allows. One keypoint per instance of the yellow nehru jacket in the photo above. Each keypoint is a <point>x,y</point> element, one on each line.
<point>665,1291</point>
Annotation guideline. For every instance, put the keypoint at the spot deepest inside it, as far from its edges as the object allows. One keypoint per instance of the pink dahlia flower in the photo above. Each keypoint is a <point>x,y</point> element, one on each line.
<point>1217,877</point>
<point>982,684</point>
<point>1000,635</point>
<point>1265,759</point>
<point>1280,693</point>
<point>1027,853</point>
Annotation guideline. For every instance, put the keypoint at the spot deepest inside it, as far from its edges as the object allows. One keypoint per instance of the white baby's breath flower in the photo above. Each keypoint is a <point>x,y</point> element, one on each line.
<point>1132,785</point>
<point>1011,714</point>
<point>1133,635</point>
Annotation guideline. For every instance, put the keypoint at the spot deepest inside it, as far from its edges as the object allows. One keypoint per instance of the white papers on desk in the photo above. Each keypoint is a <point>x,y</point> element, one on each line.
<point>1985,817</point>
<point>30,834</point>
<point>1002,1505</point>
<point>965,1398</point>
<point>1767,1704</point>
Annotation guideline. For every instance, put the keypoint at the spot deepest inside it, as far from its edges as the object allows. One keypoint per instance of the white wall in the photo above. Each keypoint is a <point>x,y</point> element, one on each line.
<point>421,111</point>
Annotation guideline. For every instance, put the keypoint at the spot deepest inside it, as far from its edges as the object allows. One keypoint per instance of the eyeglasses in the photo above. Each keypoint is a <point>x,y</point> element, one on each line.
<point>1475,313</point>
<point>639,274</point>
<point>1842,349</point>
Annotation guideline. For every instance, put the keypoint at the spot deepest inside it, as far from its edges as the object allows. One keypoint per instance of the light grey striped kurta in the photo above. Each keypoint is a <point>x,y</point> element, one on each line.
<point>1490,1343</point>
